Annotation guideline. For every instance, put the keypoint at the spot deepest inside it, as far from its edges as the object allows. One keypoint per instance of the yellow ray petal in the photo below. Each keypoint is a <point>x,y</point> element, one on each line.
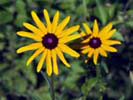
<point>33,29</point>
<point>69,31</point>
<point>96,53</point>
<point>111,42</point>
<point>82,34</point>
<point>46,15</point>
<point>85,47</point>
<point>95,28</point>
<point>62,25</point>
<point>90,52</point>
<point>68,50</point>
<point>55,66</point>
<point>105,30</point>
<point>29,35</point>
<point>102,52</point>
<point>32,46</point>
<point>48,63</point>
<point>38,22</point>
<point>109,48</point>
<point>89,55</point>
<point>55,22</point>
<point>39,66</point>
<point>35,55</point>
<point>87,29</point>
<point>109,34</point>
<point>69,38</point>
<point>86,40</point>
<point>60,55</point>
<point>86,50</point>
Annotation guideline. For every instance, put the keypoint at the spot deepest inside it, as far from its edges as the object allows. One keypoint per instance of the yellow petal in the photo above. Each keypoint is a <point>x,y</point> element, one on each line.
<point>69,31</point>
<point>62,25</point>
<point>29,35</point>
<point>55,66</point>
<point>89,55</point>
<point>46,15</point>
<point>35,55</point>
<point>55,22</point>
<point>87,29</point>
<point>38,22</point>
<point>95,28</point>
<point>32,46</point>
<point>109,34</point>
<point>85,47</point>
<point>105,30</point>
<point>86,50</point>
<point>39,66</point>
<point>111,42</point>
<point>82,34</point>
<point>69,38</point>
<point>86,40</point>
<point>61,56</point>
<point>90,52</point>
<point>68,50</point>
<point>102,52</point>
<point>33,29</point>
<point>48,63</point>
<point>109,48</point>
<point>96,53</point>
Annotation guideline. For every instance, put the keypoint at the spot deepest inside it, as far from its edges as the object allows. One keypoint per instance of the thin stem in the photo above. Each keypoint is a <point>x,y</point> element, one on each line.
<point>98,74</point>
<point>46,78</point>
<point>50,84</point>
<point>52,88</point>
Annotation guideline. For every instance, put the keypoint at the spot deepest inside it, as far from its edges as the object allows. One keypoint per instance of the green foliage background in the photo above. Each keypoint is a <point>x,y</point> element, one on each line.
<point>111,80</point>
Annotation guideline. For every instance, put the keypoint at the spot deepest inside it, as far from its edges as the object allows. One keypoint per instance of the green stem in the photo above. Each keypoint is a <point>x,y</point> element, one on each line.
<point>50,84</point>
<point>52,88</point>
<point>98,74</point>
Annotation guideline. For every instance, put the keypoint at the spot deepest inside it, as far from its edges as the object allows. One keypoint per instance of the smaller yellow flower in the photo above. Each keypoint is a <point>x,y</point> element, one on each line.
<point>98,42</point>
<point>51,39</point>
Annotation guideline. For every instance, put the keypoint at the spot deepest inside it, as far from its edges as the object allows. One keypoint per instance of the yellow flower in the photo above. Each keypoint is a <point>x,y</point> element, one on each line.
<point>98,42</point>
<point>50,40</point>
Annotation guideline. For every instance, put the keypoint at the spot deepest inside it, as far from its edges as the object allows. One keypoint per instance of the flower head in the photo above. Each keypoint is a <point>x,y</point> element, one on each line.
<point>50,40</point>
<point>98,42</point>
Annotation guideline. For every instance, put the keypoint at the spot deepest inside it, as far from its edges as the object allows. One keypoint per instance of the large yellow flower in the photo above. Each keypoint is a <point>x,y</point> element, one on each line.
<point>97,42</point>
<point>50,40</point>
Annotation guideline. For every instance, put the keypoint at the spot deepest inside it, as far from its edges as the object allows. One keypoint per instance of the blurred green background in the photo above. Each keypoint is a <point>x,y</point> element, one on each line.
<point>113,80</point>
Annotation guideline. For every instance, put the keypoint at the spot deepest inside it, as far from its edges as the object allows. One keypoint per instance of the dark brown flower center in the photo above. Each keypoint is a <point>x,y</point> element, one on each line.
<point>95,42</point>
<point>50,41</point>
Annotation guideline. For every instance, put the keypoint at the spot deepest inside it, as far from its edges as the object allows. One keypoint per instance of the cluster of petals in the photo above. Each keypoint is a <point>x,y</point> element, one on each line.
<point>51,41</point>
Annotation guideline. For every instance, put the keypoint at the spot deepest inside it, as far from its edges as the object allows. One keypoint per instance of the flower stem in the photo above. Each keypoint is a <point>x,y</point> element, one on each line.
<point>50,84</point>
<point>52,88</point>
<point>98,74</point>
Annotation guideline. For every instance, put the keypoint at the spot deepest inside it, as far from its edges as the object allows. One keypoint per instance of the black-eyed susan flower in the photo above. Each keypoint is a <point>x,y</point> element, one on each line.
<point>98,42</point>
<point>50,41</point>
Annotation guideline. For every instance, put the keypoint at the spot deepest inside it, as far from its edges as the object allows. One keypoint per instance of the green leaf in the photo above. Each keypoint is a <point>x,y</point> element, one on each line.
<point>111,10</point>
<point>91,83</point>
<point>102,14</point>
<point>20,84</point>
<point>129,23</point>
<point>131,76</point>
<point>118,36</point>
<point>20,19</point>
<point>20,6</point>
<point>105,67</point>
<point>122,98</point>
<point>4,1</point>
<point>21,10</point>
<point>5,17</point>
